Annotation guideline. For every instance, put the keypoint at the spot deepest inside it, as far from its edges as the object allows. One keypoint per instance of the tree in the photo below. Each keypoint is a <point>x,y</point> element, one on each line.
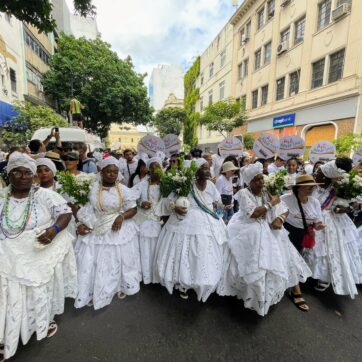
<point>347,144</point>
<point>248,140</point>
<point>107,86</point>
<point>39,12</point>
<point>170,120</point>
<point>30,117</point>
<point>224,116</point>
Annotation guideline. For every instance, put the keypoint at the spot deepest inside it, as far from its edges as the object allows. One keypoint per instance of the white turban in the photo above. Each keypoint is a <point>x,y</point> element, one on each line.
<point>48,163</point>
<point>18,159</point>
<point>199,162</point>
<point>331,170</point>
<point>252,170</point>
<point>108,162</point>
<point>154,159</point>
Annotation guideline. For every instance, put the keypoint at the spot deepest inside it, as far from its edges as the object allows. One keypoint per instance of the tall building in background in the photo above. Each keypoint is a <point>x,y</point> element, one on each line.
<point>62,16</point>
<point>84,27</point>
<point>165,79</point>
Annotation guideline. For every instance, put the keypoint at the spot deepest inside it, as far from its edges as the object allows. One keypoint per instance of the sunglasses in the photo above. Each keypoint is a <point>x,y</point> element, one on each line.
<point>68,159</point>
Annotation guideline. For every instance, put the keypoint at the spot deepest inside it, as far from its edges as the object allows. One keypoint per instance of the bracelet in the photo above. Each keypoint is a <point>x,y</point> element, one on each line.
<point>267,206</point>
<point>57,228</point>
<point>281,218</point>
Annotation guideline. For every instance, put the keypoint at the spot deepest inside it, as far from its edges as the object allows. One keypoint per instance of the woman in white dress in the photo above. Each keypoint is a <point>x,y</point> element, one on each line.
<point>305,216</point>
<point>37,262</point>
<point>107,250</point>
<point>190,249</point>
<point>149,222</point>
<point>335,258</point>
<point>46,171</point>
<point>263,264</point>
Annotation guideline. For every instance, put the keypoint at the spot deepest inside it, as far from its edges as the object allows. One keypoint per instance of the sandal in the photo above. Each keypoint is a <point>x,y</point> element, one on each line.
<point>184,295</point>
<point>322,286</point>
<point>90,304</point>
<point>299,304</point>
<point>52,329</point>
<point>121,295</point>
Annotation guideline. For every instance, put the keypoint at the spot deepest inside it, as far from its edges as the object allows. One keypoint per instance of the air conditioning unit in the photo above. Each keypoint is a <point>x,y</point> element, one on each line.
<point>244,38</point>
<point>340,11</point>
<point>284,3</point>
<point>282,48</point>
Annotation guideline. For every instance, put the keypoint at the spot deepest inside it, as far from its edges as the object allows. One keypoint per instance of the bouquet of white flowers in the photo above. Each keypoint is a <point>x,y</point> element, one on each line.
<point>349,187</point>
<point>76,188</point>
<point>275,183</point>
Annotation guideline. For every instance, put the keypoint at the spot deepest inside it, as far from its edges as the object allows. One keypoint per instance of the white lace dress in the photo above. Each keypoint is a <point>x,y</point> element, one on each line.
<point>190,250</point>
<point>34,281</point>
<point>108,261</point>
<point>335,257</point>
<point>150,228</point>
<point>263,263</point>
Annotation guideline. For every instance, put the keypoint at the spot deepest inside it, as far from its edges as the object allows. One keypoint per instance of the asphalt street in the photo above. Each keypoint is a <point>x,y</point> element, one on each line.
<point>155,326</point>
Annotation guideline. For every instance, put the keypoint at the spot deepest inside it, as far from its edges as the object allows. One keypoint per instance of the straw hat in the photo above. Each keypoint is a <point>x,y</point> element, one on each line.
<point>305,180</point>
<point>228,166</point>
<point>55,157</point>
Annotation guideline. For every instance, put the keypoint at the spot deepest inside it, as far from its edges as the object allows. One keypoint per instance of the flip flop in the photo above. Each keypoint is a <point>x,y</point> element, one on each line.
<point>121,295</point>
<point>299,304</point>
<point>52,329</point>
<point>322,286</point>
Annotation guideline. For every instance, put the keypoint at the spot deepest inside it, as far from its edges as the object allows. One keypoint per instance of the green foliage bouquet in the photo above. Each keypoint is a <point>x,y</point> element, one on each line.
<point>178,180</point>
<point>276,182</point>
<point>75,189</point>
<point>349,187</point>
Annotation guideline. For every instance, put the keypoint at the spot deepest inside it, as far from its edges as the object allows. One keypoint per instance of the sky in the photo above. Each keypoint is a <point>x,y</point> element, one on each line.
<point>157,32</point>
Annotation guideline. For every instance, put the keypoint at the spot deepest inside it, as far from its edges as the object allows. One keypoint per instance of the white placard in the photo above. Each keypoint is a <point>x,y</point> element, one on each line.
<point>322,151</point>
<point>231,146</point>
<point>291,146</point>
<point>150,144</point>
<point>266,146</point>
<point>172,144</point>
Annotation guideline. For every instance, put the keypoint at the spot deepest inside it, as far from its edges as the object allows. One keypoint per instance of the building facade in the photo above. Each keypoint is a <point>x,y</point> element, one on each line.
<point>124,136</point>
<point>297,64</point>
<point>165,79</point>
<point>11,66</point>
<point>173,102</point>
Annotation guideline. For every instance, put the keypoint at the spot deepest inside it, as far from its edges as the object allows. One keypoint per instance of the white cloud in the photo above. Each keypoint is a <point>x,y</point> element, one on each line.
<point>156,32</point>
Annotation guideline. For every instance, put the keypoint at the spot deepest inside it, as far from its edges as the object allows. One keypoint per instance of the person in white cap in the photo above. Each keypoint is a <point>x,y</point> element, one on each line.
<point>46,171</point>
<point>224,184</point>
<point>107,249</point>
<point>37,262</point>
<point>263,264</point>
<point>149,223</point>
<point>335,258</point>
<point>191,246</point>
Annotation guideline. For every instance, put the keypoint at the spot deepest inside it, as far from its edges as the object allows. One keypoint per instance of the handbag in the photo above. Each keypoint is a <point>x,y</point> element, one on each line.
<point>308,241</point>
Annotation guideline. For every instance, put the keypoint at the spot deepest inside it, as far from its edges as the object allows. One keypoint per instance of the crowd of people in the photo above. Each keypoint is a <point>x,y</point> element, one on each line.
<point>231,237</point>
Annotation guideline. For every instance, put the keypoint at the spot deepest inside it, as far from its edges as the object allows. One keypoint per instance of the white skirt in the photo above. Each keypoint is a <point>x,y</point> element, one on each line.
<point>30,309</point>
<point>108,264</point>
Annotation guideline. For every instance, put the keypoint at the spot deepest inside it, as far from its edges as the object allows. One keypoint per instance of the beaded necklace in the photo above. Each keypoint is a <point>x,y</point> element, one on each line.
<point>12,229</point>
<point>100,197</point>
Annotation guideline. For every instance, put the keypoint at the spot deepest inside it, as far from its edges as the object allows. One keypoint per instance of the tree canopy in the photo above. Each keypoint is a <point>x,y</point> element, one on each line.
<point>169,120</point>
<point>347,144</point>
<point>108,87</point>
<point>39,12</point>
<point>30,118</point>
<point>248,140</point>
<point>224,116</point>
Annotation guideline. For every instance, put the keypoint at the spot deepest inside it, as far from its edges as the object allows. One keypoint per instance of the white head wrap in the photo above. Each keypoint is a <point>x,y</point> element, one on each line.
<point>187,163</point>
<point>97,156</point>
<point>48,163</point>
<point>331,170</point>
<point>199,162</point>
<point>18,159</point>
<point>252,170</point>
<point>108,162</point>
<point>152,160</point>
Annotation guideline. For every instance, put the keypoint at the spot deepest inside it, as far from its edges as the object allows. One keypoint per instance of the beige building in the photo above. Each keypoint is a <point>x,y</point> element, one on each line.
<point>123,136</point>
<point>298,64</point>
<point>173,102</point>
<point>215,81</point>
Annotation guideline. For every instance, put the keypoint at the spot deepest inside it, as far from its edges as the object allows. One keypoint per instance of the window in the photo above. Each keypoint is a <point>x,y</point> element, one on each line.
<point>218,42</point>
<point>200,131</point>
<point>341,2</point>
<point>294,83</point>
<point>264,95</point>
<point>210,96</point>
<point>246,67</point>
<point>254,97</point>
<point>202,78</point>
<point>267,53</point>
<point>211,70</point>
<point>13,79</point>
<point>248,29</point>
<point>336,66</point>
<point>201,104</point>
<point>261,18</point>
<point>243,100</point>
<point>242,35</point>
<point>34,77</point>
<point>317,73</point>
<point>299,31</point>
<point>280,89</point>
<point>284,36</point>
<point>36,47</point>
<point>257,64</point>
<point>222,90</point>
<point>324,13</point>
<point>240,71</point>
<point>222,58</point>
<point>271,8</point>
